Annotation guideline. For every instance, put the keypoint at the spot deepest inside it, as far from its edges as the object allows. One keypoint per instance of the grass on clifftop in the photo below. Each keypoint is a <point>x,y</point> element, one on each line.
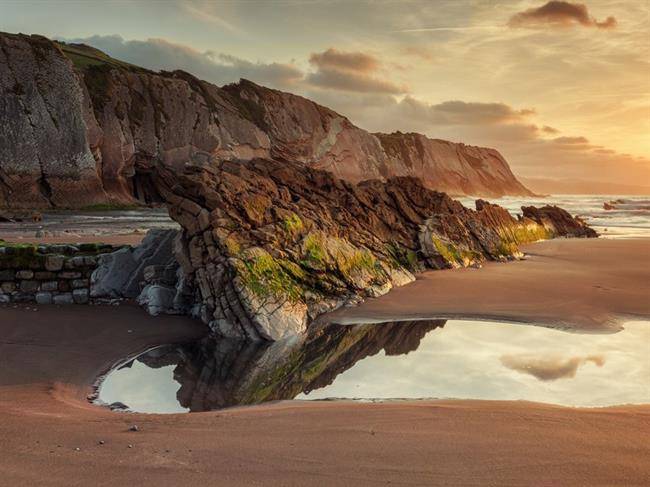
<point>83,57</point>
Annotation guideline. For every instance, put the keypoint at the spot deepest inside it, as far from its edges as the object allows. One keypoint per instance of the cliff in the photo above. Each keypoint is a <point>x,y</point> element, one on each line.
<point>80,128</point>
<point>270,245</point>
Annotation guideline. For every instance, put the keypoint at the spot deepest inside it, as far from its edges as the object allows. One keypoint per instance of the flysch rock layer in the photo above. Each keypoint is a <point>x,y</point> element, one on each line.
<point>270,245</point>
<point>80,128</point>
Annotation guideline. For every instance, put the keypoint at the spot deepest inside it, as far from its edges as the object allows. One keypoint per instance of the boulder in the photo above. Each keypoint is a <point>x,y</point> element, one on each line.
<point>120,273</point>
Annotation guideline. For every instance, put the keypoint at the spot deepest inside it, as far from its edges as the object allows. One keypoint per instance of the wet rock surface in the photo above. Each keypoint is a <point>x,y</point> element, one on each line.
<point>270,245</point>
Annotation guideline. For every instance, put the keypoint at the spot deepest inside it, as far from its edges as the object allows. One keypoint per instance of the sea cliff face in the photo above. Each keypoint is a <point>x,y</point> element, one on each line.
<point>80,128</point>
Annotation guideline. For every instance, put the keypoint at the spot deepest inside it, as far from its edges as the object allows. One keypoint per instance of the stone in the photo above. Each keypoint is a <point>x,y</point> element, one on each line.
<point>80,296</point>
<point>7,275</point>
<point>44,275</point>
<point>8,287</point>
<point>65,298</point>
<point>80,283</point>
<point>25,274</point>
<point>120,273</point>
<point>29,286</point>
<point>157,299</point>
<point>54,263</point>
<point>50,286</point>
<point>69,275</point>
<point>5,298</point>
<point>43,298</point>
<point>64,286</point>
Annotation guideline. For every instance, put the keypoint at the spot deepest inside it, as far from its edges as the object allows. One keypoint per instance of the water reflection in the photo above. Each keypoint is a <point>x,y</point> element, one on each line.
<point>418,359</point>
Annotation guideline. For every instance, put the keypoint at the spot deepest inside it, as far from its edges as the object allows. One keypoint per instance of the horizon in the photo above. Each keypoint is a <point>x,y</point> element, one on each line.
<point>382,83</point>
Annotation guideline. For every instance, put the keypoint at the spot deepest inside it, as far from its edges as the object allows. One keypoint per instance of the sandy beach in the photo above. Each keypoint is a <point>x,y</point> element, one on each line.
<point>133,238</point>
<point>50,358</point>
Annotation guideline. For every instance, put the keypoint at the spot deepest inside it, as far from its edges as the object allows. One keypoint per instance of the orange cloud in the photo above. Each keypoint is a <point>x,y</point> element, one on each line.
<point>350,71</point>
<point>559,13</point>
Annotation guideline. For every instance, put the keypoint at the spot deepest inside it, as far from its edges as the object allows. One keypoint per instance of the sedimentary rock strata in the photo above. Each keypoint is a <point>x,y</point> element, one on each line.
<point>80,128</point>
<point>270,245</point>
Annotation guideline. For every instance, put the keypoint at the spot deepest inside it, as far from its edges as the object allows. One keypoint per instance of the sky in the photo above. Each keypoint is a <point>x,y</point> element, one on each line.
<point>562,89</point>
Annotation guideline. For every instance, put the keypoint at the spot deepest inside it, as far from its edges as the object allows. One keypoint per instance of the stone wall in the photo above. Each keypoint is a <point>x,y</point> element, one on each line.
<point>48,274</point>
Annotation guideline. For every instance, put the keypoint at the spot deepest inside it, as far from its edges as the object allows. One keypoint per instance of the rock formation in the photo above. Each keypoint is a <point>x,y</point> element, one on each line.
<point>277,228</point>
<point>270,245</point>
<point>80,128</point>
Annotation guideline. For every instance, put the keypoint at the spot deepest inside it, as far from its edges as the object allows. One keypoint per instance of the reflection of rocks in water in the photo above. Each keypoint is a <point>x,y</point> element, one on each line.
<point>216,373</point>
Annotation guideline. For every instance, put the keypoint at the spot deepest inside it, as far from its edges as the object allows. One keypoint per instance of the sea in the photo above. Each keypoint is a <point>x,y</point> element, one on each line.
<point>626,217</point>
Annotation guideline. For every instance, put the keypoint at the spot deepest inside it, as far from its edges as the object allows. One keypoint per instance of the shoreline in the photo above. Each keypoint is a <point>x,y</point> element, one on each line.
<point>51,433</point>
<point>569,284</point>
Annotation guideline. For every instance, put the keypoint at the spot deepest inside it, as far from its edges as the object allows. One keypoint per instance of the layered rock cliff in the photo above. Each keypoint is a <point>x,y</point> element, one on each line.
<point>270,245</point>
<point>277,228</point>
<point>80,128</point>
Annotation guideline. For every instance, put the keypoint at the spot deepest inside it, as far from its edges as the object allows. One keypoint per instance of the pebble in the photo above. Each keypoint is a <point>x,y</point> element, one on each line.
<point>134,428</point>
<point>130,446</point>
<point>101,442</point>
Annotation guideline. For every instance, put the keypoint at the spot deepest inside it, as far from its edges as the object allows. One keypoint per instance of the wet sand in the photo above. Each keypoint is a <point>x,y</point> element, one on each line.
<point>133,238</point>
<point>574,284</point>
<point>50,358</point>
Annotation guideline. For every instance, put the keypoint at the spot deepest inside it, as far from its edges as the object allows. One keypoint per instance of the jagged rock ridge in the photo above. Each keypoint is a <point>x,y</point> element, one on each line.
<point>80,128</point>
<point>217,373</point>
<point>270,245</point>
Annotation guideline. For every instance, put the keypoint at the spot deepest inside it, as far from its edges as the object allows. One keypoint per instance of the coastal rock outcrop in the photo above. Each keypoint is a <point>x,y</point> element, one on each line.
<point>80,128</point>
<point>270,245</point>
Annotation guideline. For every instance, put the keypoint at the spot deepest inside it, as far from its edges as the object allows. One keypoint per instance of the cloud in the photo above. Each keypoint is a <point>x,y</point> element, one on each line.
<point>549,368</point>
<point>458,112</point>
<point>346,61</point>
<point>559,14</point>
<point>550,130</point>
<point>350,71</point>
<point>571,140</point>
<point>218,68</point>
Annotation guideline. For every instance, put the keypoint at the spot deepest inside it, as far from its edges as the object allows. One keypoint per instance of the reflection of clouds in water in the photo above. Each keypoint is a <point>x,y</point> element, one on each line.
<point>142,388</point>
<point>462,360</point>
<point>549,368</point>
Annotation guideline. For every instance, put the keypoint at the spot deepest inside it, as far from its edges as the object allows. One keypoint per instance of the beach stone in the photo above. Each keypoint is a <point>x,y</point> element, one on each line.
<point>157,299</point>
<point>25,274</point>
<point>20,297</point>
<point>80,283</point>
<point>8,287</point>
<point>5,298</point>
<point>50,286</point>
<point>65,298</point>
<point>44,275</point>
<point>44,298</point>
<point>120,273</point>
<point>7,275</point>
<point>54,262</point>
<point>29,286</point>
<point>69,275</point>
<point>80,296</point>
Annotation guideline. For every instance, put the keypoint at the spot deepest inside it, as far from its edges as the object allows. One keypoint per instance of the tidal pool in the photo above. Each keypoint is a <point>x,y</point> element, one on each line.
<point>401,360</point>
